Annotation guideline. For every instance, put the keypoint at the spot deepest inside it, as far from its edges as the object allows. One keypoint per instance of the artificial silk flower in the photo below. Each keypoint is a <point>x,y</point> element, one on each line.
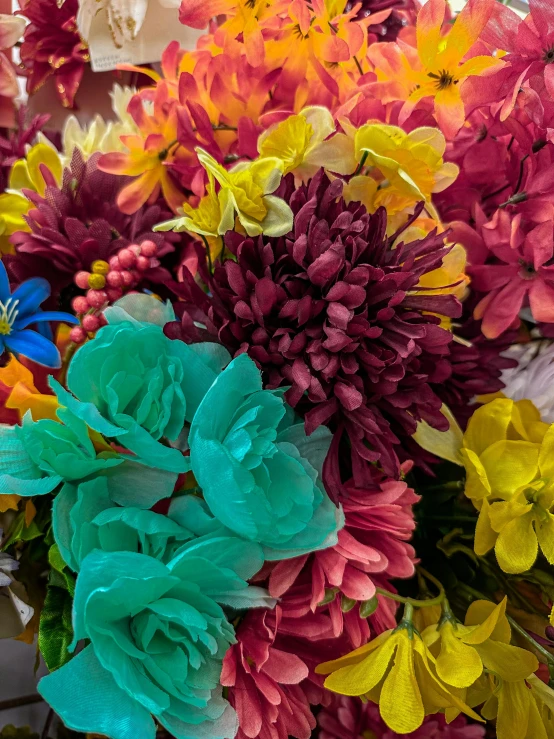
<point>463,651</point>
<point>259,473</point>
<point>508,454</point>
<point>24,396</point>
<point>41,166</point>
<point>148,154</point>
<point>397,671</point>
<point>402,168</point>
<point>302,143</point>
<point>133,384</point>
<point>439,70</point>
<point>532,377</point>
<point>245,193</point>
<point>21,309</point>
<point>158,635</point>
<point>203,221</point>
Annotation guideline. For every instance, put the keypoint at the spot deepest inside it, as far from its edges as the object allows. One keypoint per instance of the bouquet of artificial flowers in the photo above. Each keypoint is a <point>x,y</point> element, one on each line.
<point>277,380</point>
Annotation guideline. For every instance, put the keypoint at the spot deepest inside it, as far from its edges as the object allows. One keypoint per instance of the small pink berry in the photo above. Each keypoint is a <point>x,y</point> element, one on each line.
<point>97,298</point>
<point>126,258</point>
<point>77,334</point>
<point>135,248</point>
<point>91,323</point>
<point>81,279</point>
<point>143,263</point>
<point>149,248</point>
<point>114,279</point>
<point>80,304</point>
<point>115,264</point>
<point>114,293</point>
<point>128,278</point>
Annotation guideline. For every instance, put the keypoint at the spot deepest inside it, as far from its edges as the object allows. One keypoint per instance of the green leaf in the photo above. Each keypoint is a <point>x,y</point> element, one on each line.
<point>368,607</point>
<point>20,532</point>
<point>55,628</point>
<point>60,576</point>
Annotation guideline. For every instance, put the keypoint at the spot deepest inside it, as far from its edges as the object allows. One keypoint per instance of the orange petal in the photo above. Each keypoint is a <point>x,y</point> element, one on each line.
<point>466,30</point>
<point>137,192</point>
<point>429,25</point>
<point>449,111</point>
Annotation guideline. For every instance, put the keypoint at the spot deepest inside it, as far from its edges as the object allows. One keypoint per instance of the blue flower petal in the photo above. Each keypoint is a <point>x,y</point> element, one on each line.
<point>48,315</point>
<point>4,284</point>
<point>31,294</point>
<point>32,345</point>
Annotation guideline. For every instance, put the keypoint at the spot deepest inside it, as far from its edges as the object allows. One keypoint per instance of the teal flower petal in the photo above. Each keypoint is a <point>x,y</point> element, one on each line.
<point>19,475</point>
<point>261,476</point>
<point>87,699</point>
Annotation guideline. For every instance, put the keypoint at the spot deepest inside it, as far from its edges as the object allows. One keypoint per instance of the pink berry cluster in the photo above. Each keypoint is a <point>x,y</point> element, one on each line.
<point>107,282</point>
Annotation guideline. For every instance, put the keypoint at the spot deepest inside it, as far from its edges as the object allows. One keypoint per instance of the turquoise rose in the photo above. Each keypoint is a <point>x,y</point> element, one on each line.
<point>259,473</point>
<point>133,384</point>
<point>37,456</point>
<point>85,517</point>
<point>157,637</point>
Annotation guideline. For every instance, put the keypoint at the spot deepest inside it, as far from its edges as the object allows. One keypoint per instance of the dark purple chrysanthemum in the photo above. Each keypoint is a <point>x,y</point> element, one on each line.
<point>331,311</point>
<point>78,223</point>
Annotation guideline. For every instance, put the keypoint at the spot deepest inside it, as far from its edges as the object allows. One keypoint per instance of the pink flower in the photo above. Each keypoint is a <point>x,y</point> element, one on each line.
<point>264,682</point>
<point>517,275</point>
<point>530,46</point>
<point>11,29</point>
<point>372,548</point>
<point>349,718</point>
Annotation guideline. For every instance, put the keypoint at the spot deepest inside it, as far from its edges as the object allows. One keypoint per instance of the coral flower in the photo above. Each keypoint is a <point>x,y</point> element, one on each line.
<point>440,69</point>
<point>148,155</point>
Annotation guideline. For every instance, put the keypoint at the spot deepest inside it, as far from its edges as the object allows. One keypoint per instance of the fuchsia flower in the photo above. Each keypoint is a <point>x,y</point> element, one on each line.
<point>516,274</point>
<point>263,682</point>
<point>349,718</point>
<point>530,58</point>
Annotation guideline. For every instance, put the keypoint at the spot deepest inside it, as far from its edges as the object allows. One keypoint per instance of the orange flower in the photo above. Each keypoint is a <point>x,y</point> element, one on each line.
<point>149,154</point>
<point>24,395</point>
<point>439,70</point>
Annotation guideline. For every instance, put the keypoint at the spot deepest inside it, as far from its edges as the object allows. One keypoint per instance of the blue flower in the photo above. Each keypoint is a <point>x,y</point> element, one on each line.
<point>22,309</point>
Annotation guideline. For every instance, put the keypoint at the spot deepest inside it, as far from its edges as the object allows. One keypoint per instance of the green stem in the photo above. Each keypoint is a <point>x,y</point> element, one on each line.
<point>362,162</point>
<point>414,602</point>
<point>210,264</point>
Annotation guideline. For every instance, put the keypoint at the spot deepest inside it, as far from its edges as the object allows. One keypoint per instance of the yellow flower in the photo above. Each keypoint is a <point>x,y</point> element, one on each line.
<point>203,220</point>
<point>397,671</point>
<point>100,135</point>
<point>302,143</point>
<point>523,709</point>
<point>407,167</point>
<point>26,174</point>
<point>482,642</point>
<point>508,453</point>
<point>245,193</point>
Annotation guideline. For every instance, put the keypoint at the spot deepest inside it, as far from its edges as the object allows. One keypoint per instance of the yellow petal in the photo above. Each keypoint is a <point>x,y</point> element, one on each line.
<point>457,664</point>
<point>524,416</point>
<point>354,657</point>
<point>279,218</point>
<point>477,483</point>
<point>400,703</point>
<point>503,512</point>
<point>510,465</point>
<point>492,615</point>
<point>445,444</point>
<point>545,535</point>
<point>509,662</point>
<point>485,536</point>
<point>516,548</point>
<point>336,155</point>
<point>546,455</point>
<point>488,424</point>
<point>358,679</point>
<point>514,701</point>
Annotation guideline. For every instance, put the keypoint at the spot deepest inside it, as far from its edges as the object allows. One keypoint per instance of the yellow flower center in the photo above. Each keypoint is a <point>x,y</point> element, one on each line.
<point>444,79</point>
<point>8,314</point>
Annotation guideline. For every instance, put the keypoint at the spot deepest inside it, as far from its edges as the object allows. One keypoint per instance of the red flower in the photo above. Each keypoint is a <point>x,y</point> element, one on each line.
<point>52,47</point>
<point>331,310</point>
